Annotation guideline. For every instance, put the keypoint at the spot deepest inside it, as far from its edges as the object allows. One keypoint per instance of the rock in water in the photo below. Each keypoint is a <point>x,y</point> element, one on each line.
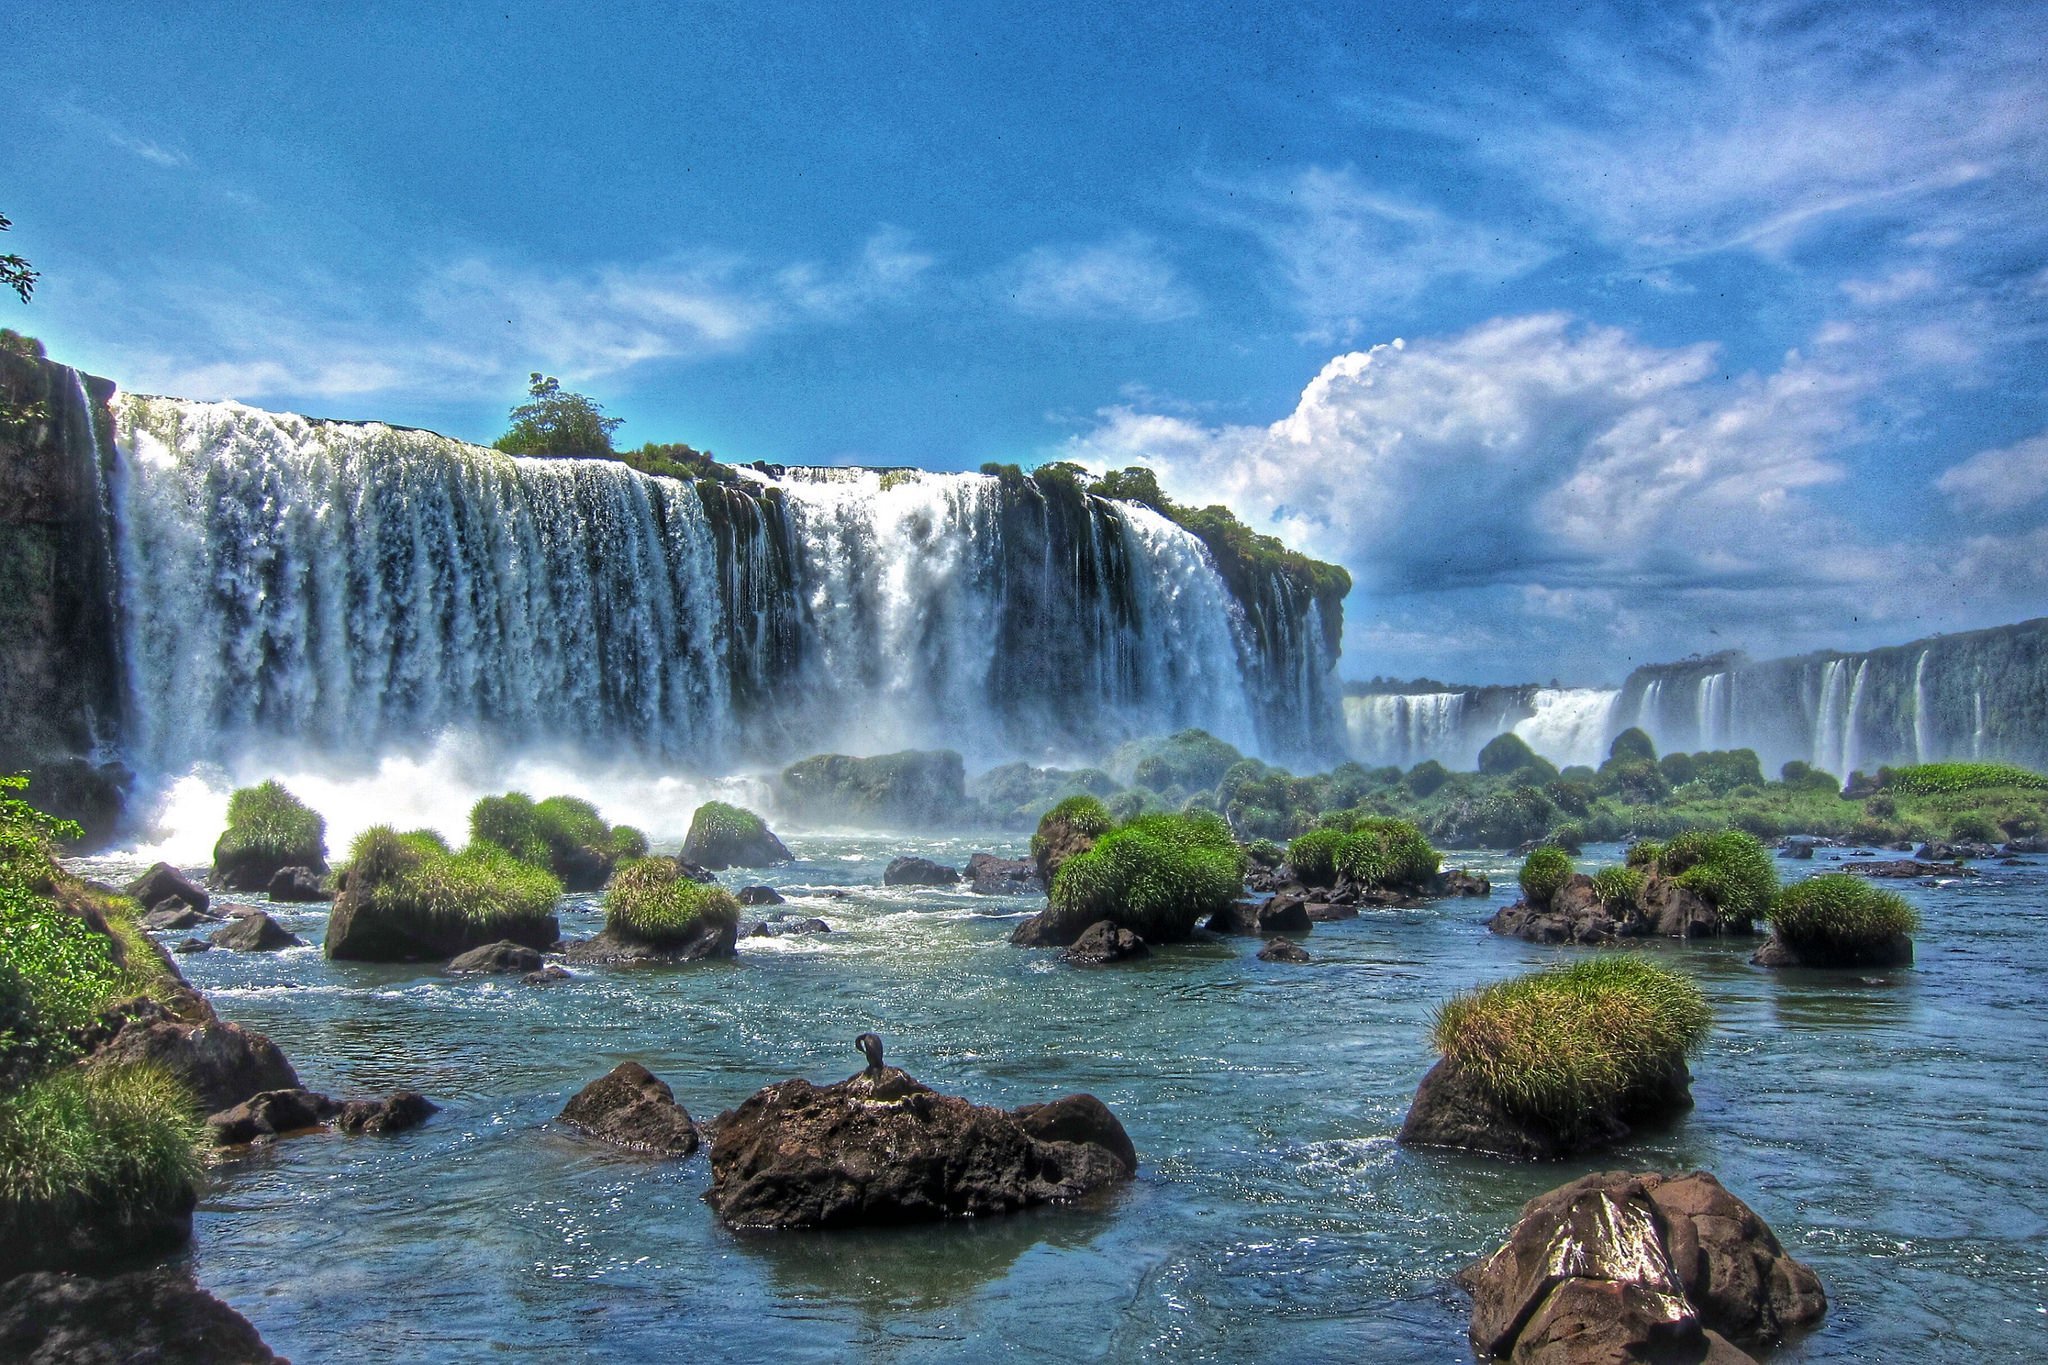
<point>222,1063</point>
<point>159,1316</point>
<point>173,915</point>
<point>1283,949</point>
<point>273,1113</point>
<point>919,872</point>
<point>502,956</point>
<point>1452,1109</point>
<point>759,895</point>
<point>631,1107</point>
<point>1103,942</point>
<point>1638,1267</point>
<point>257,933</point>
<point>882,1148</point>
<point>404,1109</point>
<point>163,882</point>
<point>993,876</point>
<point>298,884</point>
<point>1896,951</point>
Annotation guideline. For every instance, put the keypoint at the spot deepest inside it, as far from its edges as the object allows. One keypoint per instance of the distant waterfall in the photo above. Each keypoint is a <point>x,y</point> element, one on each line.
<point>1572,725</point>
<point>350,587</point>
<point>1404,730</point>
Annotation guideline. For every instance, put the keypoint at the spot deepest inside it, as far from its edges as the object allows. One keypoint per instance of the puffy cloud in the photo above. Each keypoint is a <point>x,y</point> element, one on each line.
<point>2002,480</point>
<point>1123,278</point>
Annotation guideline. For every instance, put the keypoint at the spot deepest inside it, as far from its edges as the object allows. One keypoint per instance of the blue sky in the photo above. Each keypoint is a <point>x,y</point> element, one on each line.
<point>1718,327</point>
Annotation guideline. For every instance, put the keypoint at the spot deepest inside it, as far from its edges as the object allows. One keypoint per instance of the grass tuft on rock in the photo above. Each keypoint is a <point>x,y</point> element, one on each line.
<point>415,873</point>
<point>1729,867</point>
<point>1313,856</point>
<point>651,901</point>
<point>1566,1045</point>
<point>1157,876</point>
<point>1544,873</point>
<point>1618,886</point>
<point>268,822</point>
<point>1836,910</point>
<point>108,1146</point>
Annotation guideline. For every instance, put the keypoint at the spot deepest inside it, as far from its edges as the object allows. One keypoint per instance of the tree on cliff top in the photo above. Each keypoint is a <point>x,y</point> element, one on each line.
<point>14,271</point>
<point>556,422</point>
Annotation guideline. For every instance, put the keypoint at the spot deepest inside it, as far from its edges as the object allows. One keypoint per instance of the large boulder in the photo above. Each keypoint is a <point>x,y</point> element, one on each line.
<point>1575,913</point>
<point>1896,951</point>
<point>989,875</point>
<point>1453,1109</point>
<point>299,885</point>
<point>175,915</point>
<point>912,871</point>
<point>1644,1267</point>
<point>274,1113</point>
<point>155,1317</point>
<point>361,930</point>
<point>881,1148</point>
<point>504,956</point>
<point>759,895</point>
<point>1057,840</point>
<point>1285,913</point>
<point>629,1106</point>
<point>222,1064</point>
<point>915,789</point>
<point>395,1113</point>
<point>165,883</point>
<point>1280,948</point>
<point>723,836</point>
<point>256,933</point>
<point>1104,942</point>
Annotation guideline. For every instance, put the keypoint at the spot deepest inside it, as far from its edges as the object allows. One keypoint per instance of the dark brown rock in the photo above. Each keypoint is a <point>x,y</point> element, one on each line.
<point>144,1317</point>
<point>163,882</point>
<point>1283,949</point>
<point>175,915</point>
<point>1452,1109</point>
<point>402,1110</point>
<point>1674,911</point>
<point>710,939</point>
<point>546,976</point>
<point>1284,913</point>
<point>503,956</point>
<point>1079,1118</point>
<point>1047,930</point>
<point>1908,867</point>
<point>1459,882</point>
<point>193,945</point>
<point>1104,942</point>
<point>989,875</point>
<point>1896,951</point>
<point>257,933</point>
<point>919,872</point>
<point>274,1113</point>
<point>1322,912</point>
<point>631,1107</point>
<point>880,1148</point>
<point>298,885</point>
<point>759,895</point>
<point>1056,841</point>
<point>1637,1268</point>
<point>223,1064</point>
<point>254,870</point>
<point>360,931</point>
<point>788,922</point>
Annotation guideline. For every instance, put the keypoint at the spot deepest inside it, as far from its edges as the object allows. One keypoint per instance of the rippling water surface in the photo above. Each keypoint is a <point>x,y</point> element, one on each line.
<point>1888,1126</point>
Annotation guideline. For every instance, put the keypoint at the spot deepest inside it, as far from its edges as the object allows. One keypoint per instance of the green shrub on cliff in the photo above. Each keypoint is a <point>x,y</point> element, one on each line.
<point>112,1149</point>
<point>1383,852</point>
<point>1567,1045</point>
<point>1618,886</point>
<point>1544,873</point>
<point>269,824</point>
<point>1157,876</point>
<point>650,901</point>
<point>1840,912</point>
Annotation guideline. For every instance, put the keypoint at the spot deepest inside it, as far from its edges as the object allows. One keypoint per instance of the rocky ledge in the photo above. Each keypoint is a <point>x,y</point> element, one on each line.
<point>1575,913</point>
<point>882,1148</point>
<point>1622,1267</point>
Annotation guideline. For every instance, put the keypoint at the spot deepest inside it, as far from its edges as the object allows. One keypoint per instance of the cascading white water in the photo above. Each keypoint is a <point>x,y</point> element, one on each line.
<point>1849,731</point>
<point>1571,724</point>
<point>1921,745</point>
<point>1403,730</point>
<point>1646,709</point>
<point>1827,720</point>
<point>356,589</point>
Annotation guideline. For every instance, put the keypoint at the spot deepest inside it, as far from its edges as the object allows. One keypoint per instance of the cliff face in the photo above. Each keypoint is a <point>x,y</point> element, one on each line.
<point>60,673</point>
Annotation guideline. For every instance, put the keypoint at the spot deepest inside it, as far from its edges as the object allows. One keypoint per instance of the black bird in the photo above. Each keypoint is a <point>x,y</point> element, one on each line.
<point>870,1045</point>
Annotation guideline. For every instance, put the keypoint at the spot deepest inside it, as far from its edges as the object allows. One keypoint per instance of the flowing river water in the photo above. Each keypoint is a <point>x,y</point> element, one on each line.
<point>1888,1126</point>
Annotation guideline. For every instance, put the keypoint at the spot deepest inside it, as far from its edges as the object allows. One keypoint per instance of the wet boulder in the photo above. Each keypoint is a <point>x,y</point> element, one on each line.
<point>1907,867</point>
<point>1285,913</point>
<point>1452,1108</point>
<point>271,1114</point>
<point>1894,951</point>
<point>630,1107</point>
<point>222,1064</point>
<point>989,875</point>
<point>193,945</point>
<point>912,871</point>
<point>788,922</point>
<point>1638,1267</point>
<point>174,916</point>
<point>401,1110</point>
<point>1458,882</point>
<point>1104,942</point>
<point>165,883</point>
<point>256,933</point>
<point>1280,948</point>
<point>759,895</point>
<point>881,1148</point>
<point>504,956</point>
<point>298,885</point>
<point>160,1316</point>
<point>546,976</point>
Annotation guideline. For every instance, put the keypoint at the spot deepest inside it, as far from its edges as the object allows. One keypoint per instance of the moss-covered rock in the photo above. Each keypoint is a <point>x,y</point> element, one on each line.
<point>1157,876</point>
<point>564,834</point>
<point>914,789</point>
<point>408,899</point>
<point>653,909</point>
<point>269,829</point>
<point>1838,920</point>
<point>723,836</point>
<point>1068,829</point>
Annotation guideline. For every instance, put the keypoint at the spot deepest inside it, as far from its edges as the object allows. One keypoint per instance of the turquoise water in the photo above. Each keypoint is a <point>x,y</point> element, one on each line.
<point>1888,1126</point>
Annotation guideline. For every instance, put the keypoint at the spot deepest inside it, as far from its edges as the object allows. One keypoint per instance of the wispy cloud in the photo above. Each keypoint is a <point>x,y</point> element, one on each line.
<point>2003,480</point>
<point>1125,278</point>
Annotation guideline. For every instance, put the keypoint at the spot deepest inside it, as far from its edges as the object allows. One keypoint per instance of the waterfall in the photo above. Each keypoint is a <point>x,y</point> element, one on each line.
<point>1827,730</point>
<point>1710,711</point>
<point>1849,746</point>
<point>355,588</point>
<point>1646,710</point>
<point>1571,724</point>
<point>1405,730</point>
<point>1921,746</point>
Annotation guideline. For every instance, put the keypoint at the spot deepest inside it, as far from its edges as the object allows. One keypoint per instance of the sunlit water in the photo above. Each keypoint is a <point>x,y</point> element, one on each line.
<point>1889,1127</point>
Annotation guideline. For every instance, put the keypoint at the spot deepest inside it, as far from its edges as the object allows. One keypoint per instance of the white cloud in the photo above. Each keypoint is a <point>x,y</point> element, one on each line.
<point>1125,278</point>
<point>2002,480</point>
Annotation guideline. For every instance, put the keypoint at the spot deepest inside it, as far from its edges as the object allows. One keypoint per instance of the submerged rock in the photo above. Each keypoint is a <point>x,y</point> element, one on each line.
<point>881,1148</point>
<point>1453,1109</point>
<point>910,871</point>
<point>1285,913</point>
<point>1638,1267</point>
<point>759,895</point>
<point>504,956</point>
<point>256,933</point>
<point>993,876</point>
<point>158,1316</point>
<point>1896,951</point>
<point>631,1107</point>
<point>1283,949</point>
<point>402,1110</point>
<point>165,883</point>
<point>788,922</point>
<point>1908,867</point>
<point>1104,942</point>
<point>273,1113</point>
<point>546,976</point>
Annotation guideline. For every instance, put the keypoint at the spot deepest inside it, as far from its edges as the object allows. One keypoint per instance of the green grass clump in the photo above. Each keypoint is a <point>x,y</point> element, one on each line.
<point>1838,910</point>
<point>1566,1045</point>
<point>651,901</point>
<point>415,873</point>
<point>56,974</point>
<point>1731,868</point>
<point>1384,852</point>
<point>267,821</point>
<point>1314,856</point>
<point>555,833</point>
<point>715,820</point>
<point>1946,779</point>
<point>1618,886</point>
<point>510,823</point>
<point>105,1146</point>
<point>1156,875</point>
<point>1085,815</point>
<point>1644,852</point>
<point>1544,873</point>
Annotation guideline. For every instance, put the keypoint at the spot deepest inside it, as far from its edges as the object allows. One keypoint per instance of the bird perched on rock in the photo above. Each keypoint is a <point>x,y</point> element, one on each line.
<point>870,1045</point>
